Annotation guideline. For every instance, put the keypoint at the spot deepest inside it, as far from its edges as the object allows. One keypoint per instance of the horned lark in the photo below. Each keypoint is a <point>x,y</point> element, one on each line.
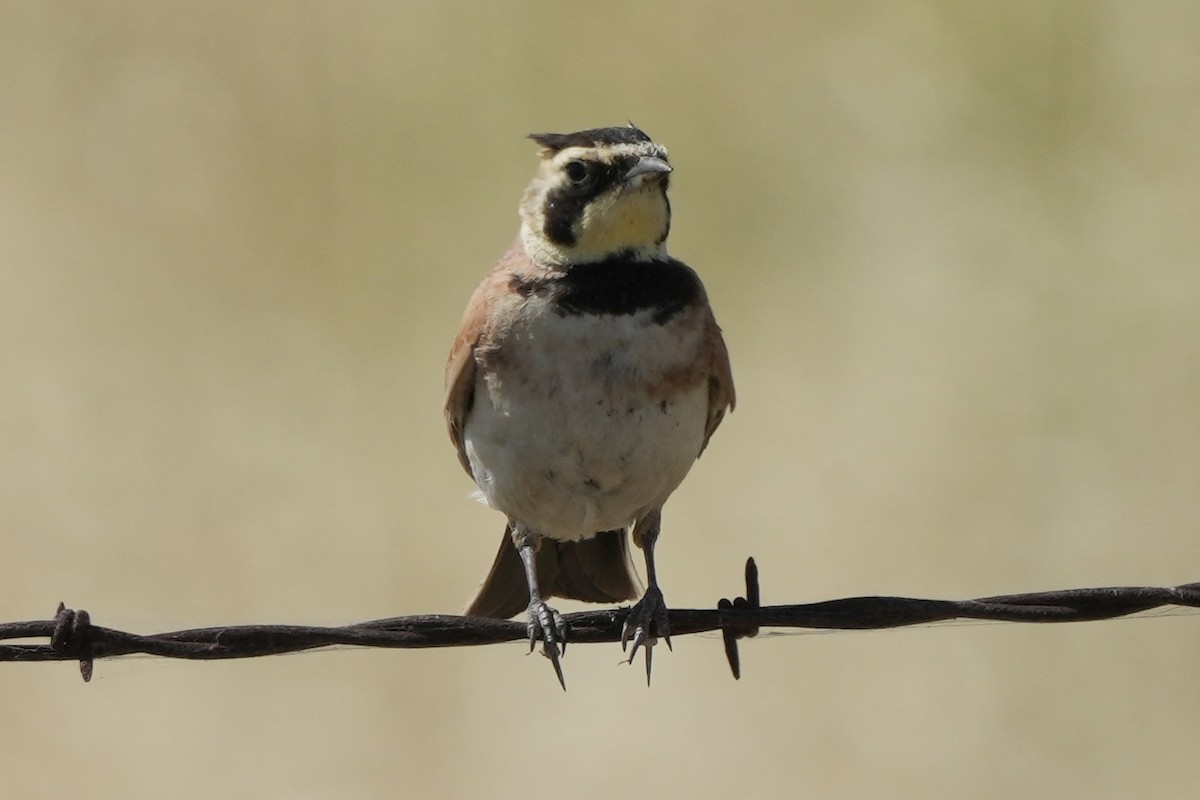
<point>587,376</point>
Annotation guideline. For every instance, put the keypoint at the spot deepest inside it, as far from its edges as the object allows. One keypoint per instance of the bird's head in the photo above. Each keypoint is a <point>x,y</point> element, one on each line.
<point>597,193</point>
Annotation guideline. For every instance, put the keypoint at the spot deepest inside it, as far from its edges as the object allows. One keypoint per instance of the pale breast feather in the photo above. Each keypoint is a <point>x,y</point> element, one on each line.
<point>581,422</point>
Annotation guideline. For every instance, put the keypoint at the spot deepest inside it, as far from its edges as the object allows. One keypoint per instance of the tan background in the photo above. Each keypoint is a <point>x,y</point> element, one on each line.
<point>955,248</point>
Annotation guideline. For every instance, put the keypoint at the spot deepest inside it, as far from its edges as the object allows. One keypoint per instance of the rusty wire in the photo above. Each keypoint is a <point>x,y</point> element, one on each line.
<point>72,636</point>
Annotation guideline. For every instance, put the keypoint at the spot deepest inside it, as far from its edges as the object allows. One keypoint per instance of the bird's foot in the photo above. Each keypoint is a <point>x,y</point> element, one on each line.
<point>547,624</point>
<point>646,622</point>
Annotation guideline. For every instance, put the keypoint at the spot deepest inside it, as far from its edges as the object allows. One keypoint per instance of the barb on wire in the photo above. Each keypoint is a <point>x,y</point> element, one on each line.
<point>72,636</point>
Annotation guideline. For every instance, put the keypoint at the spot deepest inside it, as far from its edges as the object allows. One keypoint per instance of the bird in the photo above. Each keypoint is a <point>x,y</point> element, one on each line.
<point>586,377</point>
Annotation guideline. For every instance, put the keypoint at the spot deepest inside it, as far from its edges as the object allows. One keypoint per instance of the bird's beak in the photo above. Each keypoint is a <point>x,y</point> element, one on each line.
<point>646,165</point>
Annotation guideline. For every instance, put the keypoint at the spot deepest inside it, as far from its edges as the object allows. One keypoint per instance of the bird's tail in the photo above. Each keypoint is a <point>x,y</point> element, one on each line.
<point>596,570</point>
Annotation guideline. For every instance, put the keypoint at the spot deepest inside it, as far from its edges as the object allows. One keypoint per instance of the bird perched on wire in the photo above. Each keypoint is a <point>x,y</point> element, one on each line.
<point>586,378</point>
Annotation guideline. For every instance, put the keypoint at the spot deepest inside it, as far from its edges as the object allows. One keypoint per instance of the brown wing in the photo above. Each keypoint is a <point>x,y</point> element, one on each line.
<point>476,323</point>
<point>721,396</point>
<point>460,369</point>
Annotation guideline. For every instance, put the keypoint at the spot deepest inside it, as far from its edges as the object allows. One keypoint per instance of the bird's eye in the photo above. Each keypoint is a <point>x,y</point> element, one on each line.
<point>578,172</point>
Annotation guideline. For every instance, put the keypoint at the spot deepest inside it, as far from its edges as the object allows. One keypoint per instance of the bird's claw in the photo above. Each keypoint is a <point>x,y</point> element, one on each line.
<point>647,621</point>
<point>547,625</point>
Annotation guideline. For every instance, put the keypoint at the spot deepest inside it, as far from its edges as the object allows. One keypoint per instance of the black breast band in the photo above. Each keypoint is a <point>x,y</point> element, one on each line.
<point>619,286</point>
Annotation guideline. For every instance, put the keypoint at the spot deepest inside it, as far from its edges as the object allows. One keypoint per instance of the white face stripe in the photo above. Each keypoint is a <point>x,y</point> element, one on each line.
<point>606,154</point>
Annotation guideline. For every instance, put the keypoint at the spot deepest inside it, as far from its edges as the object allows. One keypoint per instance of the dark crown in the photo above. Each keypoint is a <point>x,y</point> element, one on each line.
<point>592,137</point>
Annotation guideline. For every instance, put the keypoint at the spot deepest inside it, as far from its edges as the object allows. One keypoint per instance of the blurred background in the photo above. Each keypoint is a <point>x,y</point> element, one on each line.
<point>954,247</point>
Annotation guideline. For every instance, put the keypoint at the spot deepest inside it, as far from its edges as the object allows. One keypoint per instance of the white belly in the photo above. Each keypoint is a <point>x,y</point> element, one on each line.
<point>570,432</point>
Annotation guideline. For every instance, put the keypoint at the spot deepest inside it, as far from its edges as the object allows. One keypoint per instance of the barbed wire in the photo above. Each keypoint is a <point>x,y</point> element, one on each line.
<point>72,636</point>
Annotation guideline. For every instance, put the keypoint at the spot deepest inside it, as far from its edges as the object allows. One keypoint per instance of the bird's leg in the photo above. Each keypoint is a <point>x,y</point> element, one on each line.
<point>647,620</point>
<point>544,622</point>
